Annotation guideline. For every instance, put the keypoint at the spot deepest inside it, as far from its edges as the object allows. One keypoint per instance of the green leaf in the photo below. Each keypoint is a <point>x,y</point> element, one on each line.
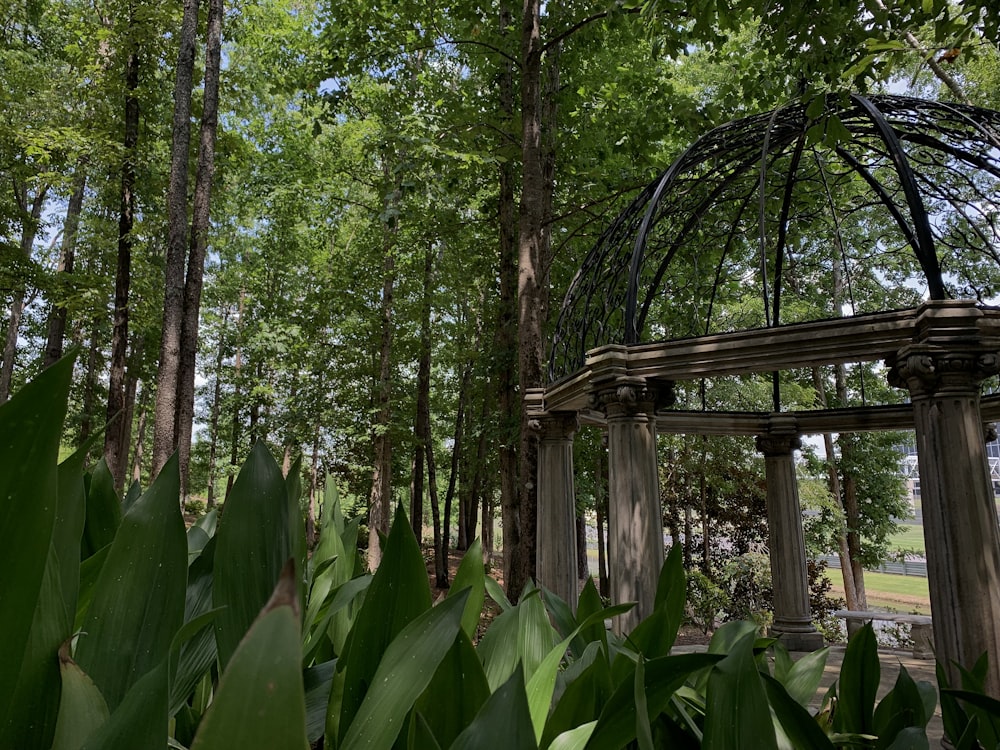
<point>797,723</point>
<point>337,601</point>
<point>403,673</point>
<point>471,575</point>
<point>104,510</point>
<point>455,694</point>
<point>30,429</point>
<point>260,703</point>
<point>138,600</point>
<point>643,732</point>
<point>663,676</point>
<point>140,721</point>
<point>82,708</point>
<point>34,710</point>
<point>858,684</point>
<point>317,681</point>
<point>803,677</point>
<point>496,592</point>
<point>505,715</point>
<point>254,542</point>
<point>522,635</point>
<point>584,696</point>
<point>90,573</point>
<point>736,697</point>
<point>398,594</point>
<point>542,684</point>
<point>574,739</point>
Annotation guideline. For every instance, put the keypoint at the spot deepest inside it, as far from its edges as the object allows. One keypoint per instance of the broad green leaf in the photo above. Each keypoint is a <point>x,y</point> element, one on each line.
<point>663,676</point>
<point>456,693</point>
<point>403,673</point>
<point>33,713</point>
<point>471,575</point>
<point>643,732</point>
<point>803,677</point>
<point>736,696</point>
<point>421,736</point>
<point>198,653</point>
<point>140,721</point>
<point>338,600</point>
<point>796,722</point>
<point>260,703</point>
<point>542,683</point>
<point>317,681</point>
<point>910,738</point>
<point>858,683</point>
<point>82,708</point>
<point>583,697</point>
<point>495,590</point>
<point>398,594</point>
<point>590,603</point>
<point>522,635</point>
<point>30,429</point>
<point>90,573</point>
<point>655,636</point>
<point>254,542</point>
<point>505,716</point>
<point>138,602</point>
<point>104,510</point>
<point>574,739</point>
<point>192,654</point>
<point>901,707</point>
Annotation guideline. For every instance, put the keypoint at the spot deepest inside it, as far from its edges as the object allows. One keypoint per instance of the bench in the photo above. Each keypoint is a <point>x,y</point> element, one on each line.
<point>920,628</point>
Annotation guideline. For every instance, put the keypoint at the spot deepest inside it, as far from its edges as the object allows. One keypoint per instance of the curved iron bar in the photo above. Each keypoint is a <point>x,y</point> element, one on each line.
<point>909,191</point>
<point>925,241</point>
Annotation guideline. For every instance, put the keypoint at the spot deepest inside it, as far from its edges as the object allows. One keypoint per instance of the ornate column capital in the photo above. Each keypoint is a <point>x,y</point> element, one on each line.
<point>926,370</point>
<point>559,425</point>
<point>631,396</point>
<point>781,438</point>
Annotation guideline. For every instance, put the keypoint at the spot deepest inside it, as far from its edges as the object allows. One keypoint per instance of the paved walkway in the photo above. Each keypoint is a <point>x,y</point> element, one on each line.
<point>890,661</point>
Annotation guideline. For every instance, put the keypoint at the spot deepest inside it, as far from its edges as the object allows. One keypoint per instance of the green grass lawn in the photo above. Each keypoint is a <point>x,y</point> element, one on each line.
<point>901,593</point>
<point>910,539</point>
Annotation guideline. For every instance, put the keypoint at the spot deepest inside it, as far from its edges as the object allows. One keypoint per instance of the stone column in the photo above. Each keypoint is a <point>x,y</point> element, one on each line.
<point>789,576</point>
<point>943,370</point>
<point>555,558</point>
<point>635,523</point>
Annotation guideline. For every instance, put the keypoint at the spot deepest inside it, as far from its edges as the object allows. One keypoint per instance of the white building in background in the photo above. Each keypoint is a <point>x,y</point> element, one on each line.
<point>910,470</point>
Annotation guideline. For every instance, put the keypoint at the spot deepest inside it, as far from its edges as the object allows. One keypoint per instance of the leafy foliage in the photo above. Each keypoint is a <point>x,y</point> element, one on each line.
<point>407,674</point>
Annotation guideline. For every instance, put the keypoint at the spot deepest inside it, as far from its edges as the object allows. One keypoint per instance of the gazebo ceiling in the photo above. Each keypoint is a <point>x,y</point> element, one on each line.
<point>876,204</point>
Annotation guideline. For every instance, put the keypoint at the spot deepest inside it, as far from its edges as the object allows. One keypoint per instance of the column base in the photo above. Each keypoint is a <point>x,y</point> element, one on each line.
<point>799,641</point>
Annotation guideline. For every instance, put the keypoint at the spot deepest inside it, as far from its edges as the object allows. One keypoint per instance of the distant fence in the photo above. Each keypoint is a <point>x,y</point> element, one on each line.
<point>906,568</point>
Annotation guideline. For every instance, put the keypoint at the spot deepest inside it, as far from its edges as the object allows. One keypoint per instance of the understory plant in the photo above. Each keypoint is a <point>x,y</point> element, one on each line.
<point>122,629</point>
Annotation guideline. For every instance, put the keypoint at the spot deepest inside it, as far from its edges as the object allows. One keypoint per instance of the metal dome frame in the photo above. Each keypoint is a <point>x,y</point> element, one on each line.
<point>917,173</point>
<point>896,196</point>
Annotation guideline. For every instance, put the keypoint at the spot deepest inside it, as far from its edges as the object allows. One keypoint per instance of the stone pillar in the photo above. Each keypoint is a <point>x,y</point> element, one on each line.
<point>789,576</point>
<point>635,523</point>
<point>555,557</point>
<point>943,370</point>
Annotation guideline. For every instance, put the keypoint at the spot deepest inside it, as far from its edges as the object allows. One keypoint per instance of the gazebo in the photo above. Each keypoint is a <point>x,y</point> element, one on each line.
<point>879,212</point>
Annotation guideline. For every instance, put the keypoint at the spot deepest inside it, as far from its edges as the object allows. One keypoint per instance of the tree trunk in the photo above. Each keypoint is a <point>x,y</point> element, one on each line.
<point>852,595</point>
<point>506,335</point>
<point>114,435</point>
<point>313,489</point>
<point>582,563</point>
<point>164,423</point>
<point>236,424</point>
<point>421,427</point>
<point>378,504</point>
<point>89,383</point>
<point>456,457</point>
<point>198,242</point>
<point>213,423</point>
<point>29,228</point>
<point>67,257</point>
<point>440,550</point>
<point>140,435</point>
<point>537,165</point>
